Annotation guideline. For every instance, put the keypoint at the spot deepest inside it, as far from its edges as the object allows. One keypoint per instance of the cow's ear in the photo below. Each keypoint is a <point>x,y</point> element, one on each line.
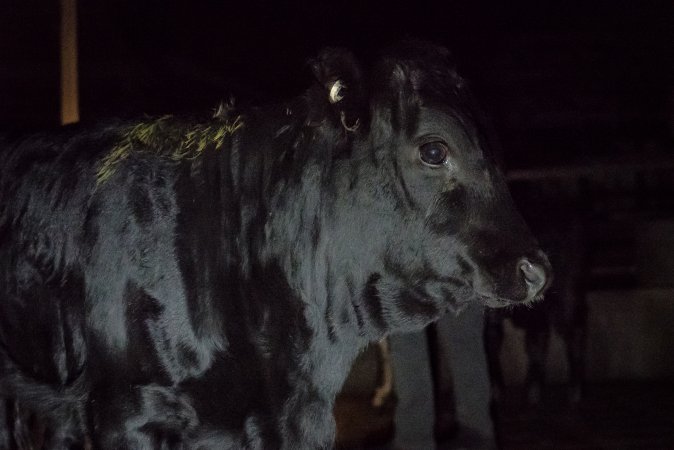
<point>340,77</point>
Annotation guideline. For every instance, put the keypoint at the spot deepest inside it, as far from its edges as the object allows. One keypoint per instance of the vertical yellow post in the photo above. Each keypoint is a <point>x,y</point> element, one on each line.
<point>70,110</point>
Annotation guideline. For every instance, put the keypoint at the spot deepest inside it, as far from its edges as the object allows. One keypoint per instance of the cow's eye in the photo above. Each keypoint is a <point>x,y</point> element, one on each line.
<point>433,153</point>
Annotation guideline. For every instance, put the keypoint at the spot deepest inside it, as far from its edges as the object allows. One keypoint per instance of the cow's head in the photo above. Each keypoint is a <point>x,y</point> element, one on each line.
<point>420,207</point>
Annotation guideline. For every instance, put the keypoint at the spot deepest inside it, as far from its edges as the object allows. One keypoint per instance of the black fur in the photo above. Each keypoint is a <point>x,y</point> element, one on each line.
<point>160,293</point>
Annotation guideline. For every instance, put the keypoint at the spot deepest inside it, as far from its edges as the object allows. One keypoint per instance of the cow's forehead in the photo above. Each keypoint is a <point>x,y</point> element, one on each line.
<point>450,123</point>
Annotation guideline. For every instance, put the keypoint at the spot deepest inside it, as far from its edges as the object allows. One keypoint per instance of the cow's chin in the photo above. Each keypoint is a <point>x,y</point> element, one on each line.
<point>493,301</point>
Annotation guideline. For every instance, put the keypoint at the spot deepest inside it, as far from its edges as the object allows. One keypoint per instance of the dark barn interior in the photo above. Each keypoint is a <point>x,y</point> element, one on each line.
<point>581,97</point>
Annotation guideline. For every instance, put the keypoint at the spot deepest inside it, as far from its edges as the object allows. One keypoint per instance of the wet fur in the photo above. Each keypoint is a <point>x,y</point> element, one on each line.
<point>218,301</point>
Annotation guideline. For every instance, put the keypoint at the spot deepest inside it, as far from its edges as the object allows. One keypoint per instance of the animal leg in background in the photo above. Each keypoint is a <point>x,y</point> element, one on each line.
<point>385,386</point>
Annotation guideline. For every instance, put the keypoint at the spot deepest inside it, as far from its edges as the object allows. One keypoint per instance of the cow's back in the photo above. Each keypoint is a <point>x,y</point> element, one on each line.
<point>127,273</point>
<point>73,248</point>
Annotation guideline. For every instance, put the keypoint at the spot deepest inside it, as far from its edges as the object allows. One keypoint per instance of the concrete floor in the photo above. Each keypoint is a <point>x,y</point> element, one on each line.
<point>612,416</point>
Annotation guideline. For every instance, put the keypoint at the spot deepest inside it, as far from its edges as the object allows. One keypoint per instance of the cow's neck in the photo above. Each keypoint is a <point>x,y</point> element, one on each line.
<point>279,241</point>
<point>320,358</point>
<point>289,272</point>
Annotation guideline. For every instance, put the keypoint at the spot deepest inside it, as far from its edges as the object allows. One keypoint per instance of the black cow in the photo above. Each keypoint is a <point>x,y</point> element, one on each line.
<point>174,283</point>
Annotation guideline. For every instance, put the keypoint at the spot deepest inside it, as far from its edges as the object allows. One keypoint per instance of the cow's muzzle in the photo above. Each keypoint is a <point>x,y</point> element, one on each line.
<point>510,279</point>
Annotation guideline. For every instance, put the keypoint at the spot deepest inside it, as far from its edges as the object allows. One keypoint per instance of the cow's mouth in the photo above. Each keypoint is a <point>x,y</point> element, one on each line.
<point>468,293</point>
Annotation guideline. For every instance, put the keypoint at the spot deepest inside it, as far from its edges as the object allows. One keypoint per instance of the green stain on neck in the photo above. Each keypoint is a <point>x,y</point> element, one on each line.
<point>167,138</point>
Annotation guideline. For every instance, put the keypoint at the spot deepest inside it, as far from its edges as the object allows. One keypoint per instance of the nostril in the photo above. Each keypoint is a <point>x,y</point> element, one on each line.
<point>534,275</point>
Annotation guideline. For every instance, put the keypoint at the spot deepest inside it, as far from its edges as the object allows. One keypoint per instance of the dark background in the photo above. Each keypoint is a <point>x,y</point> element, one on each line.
<point>561,80</point>
<point>581,94</point>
